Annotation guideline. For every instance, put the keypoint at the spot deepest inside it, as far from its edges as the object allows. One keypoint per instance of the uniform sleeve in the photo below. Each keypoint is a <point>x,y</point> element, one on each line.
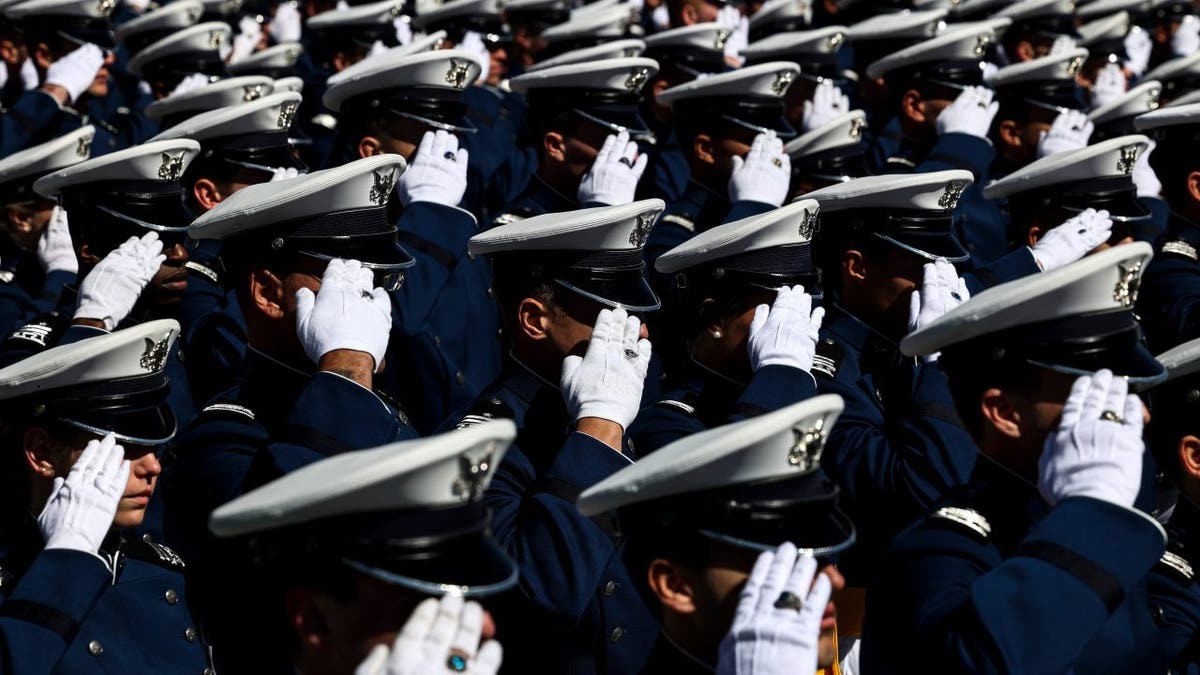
<point>1176,604</point>
<point>1169,300</point>
<point>947,595</point>
<point>1012,266</point>
<point>436,236</point>
<point>561,555</point>
<point>32,120</point>
<point>41,616</point>
<point>959,151</point>
<point>746,208</point>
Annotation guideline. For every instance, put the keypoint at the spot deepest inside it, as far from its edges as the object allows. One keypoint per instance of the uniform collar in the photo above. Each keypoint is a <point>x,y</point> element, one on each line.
<point>669,657</point>
<point>854,331</point>
<point>549,198</point>
<point>523,381</point>
<point>1177,224</point>
<point>709,206</point>
<point>1184,526</point>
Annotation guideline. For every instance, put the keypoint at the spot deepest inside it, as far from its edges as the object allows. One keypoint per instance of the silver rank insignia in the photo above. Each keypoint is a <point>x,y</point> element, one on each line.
<point>194,15</point>
<point>230,6</point>
<point>834,42</point>
<point>949,198</point>
<point>722,35</point>
<point>155,355</point>
<point>471,475</point>
<point>382,189</point>
<point>642,230</point>
<point>636,79</point>
<point>1126,291</point>
<point>783,80</point>
<point>1129,156</point>
<point>856,127</point>
<point>252,93</point>
<point>106,7</point>
<point>172,167</point>
<point>1152,99</point>
<point>215,38</point>
<point>457,75</point>
<point>806,448</point>
<point>84,147</point>
<point>808,224</point>
<point>1074,66</point>
<point>287,112</point>
<point>982,42</point>
<point>397,10</point>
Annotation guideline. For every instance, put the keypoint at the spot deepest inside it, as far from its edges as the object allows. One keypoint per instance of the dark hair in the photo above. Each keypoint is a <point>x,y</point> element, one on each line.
<point>513,284</point>
<point>970,371</point>
<point>835,237</point>
<point>1173,167</point>
<point>655,535</point>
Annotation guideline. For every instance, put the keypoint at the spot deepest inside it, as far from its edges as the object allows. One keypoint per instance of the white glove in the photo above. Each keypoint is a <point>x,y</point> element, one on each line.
<point>189,83</point>
<point>109,292</point>
<point>246,41</point>
<point>1138,46</point>
<point>1186,40</point>
<point>941,291</point>
<point>1072,240</point>
<point>55,251</point>
<point>828,102</point>
<point>785,332</point>
<point>29,75</point>
<point>76,71</point>
<point>971,113</point>
<point>347,312</point>
<point>614,175</point>
<point>1144,177</point>
<point>764,175</point>
<point>1110,84</point>
<point>284,173</point>
<point>81,507</point>
<point>1097,450</point>
<point>436,631</point>
<point>138,6</point>
<point>606,382</point>
<point>437,173</point>
<point>404,34</point>
<point>1069,131</point>
<point>377,48</point>
<point>661,17</point>
<point>739,39</point>
<point>285,27</point>
<point>989,69</point>
<point>767,639</point>
<point>472,43</point>
<point>1061,45</point>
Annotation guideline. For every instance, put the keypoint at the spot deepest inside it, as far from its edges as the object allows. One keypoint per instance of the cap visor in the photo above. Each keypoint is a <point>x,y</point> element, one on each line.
<point>473,566</point>
<point>148,425</point>
<point>629,293</point>
<point>929,245</point>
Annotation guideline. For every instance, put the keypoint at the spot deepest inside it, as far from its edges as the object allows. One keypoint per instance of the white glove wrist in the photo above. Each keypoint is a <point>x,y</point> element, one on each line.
<point>76,71</point>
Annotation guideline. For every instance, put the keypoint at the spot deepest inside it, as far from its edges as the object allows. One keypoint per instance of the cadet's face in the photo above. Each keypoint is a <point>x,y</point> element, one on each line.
<point>497,66</point>
<point>582,146</point>
<point>144,470</point>
<point>99,86</point>
<point>735,143</point>
<point>170,281</point>
<point>887,287</point>
<point>26,222</point>
<point>721,583</point>
<point>571,329</point>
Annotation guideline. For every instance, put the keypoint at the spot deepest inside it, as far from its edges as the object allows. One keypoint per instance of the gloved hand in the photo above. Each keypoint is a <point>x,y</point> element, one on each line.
<point>193,81</point>
<point>828,102</point>
<point>55,251</point>
<point>1069,131</point>
<point>437,173</point>
<point>739,38</point>
<point>404,34</point>
<point>347,312</point>
<point>109,292</point>
<point>764,175</point>
<point>29,74</point>
<point>1061,45</point>
<point>285,26</point>
<point>769,639</point>
<point>1072,240</point>
<point>941,291</point>
<point>435,632</point>
<point>615,172</point>
<point>1186,39</point>
<point>661,17</point>
<point>1097,450</point>
<point>606,382</point>
<point>1110,84</point>
<point>472,43</point>
<point>81,507</point>
<point>284,173</point>
<point>971,113</point>
<point>989,69</point>
<point>1138,46</point>
<point>76,71</point>
<point>377,48</point>
<point>1144,177</point>
<point>246,41</point>
<point>785,332</point>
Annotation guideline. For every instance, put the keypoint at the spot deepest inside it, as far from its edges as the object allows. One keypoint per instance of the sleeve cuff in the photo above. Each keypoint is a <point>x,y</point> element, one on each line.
<point>584,461</point>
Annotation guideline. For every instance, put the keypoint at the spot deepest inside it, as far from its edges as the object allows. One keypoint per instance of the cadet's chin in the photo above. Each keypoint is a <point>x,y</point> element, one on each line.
<point>129,516</point>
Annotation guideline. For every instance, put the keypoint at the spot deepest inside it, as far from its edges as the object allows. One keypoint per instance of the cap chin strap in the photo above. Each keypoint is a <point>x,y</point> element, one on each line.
<point>142,223</point>
<point>923,254</point>
<point>755,546</point>
<point>1117,219</point>
<point>124,438</point>
<point>434,123</point>
<point>431,588</point>
<point>646,137</point>
<point>754,127</point>
<point>605,301</point>
<point>1138,381</point>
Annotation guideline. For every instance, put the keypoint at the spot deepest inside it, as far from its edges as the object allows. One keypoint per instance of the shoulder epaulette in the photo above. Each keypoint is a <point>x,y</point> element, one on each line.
<point>204,270</point>
<point>828,358</point>
<point>968,518</point>
<point>42,333</point>
<point>485,410</point>
<point>147,550</point>
<point>1177,565</point>
<point>325,120</point>
<point>672,404</point>
<point>682,221</point>
<point>231,408</point>
<point>1181,248</point>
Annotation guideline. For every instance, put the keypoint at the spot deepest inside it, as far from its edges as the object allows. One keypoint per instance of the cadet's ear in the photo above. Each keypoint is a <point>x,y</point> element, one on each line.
<point>1033,236</point>
<point>702,148</point>
<point>688,14</point>
<point>18,220</point>
<point>1193,185</point>
<point>42,56</point>
<point>305,617</point>
<point>1009,133</point>
<point>670,585</point>
<point>554,146</point>
<point>39,452</point>
<point>1189,456</point>
<point>533,319</point>
<point>1025,51</point>
<point>854,266</point>
<point>266,294</point>
<point>86,256</point>
<point>912,106</point>
<point>658,87</point>
<point>369,146</point>
<point>207,194</point>
<point>999,413</point>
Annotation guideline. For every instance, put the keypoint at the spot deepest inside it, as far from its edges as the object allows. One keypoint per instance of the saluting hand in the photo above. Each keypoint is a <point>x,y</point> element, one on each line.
<point>1072,240</point>
<point>55,251</point>
<point>109,292</point>
<point>784,333</point>
<point>347,312</point>
<point>614,174</point>
<point>764,175</point>
<point>606,382</point>
<point>81,507</point>
<point>440,637</point>
<point>437,173</point>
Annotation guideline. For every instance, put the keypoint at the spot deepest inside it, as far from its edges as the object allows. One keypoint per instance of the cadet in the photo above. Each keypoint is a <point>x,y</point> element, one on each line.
<point>220,94</point>
<point>1171,287</point>
<point>141,31</point>
<point>317,327</point>
<point>555,273</point>
<point>80,592</point>
<point>832,153</point>
<point>528,19</point>
<point>697,513</point>
<point>1038,27</point>
<point>816,53</point>
<point>240,146</point>
<point>1009,573</point>
<point>588,26</point>
<point>344,549</point>
<point>883,249</point>
<point>585,129</point>
<point>742,330</point>
<point>276,62</point>
<point>37,259</point>
<point>732,136</point>
<point>193,50</point>
<point>1054,189</point>
<point>447,345</point>
<point>1116,118</point>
